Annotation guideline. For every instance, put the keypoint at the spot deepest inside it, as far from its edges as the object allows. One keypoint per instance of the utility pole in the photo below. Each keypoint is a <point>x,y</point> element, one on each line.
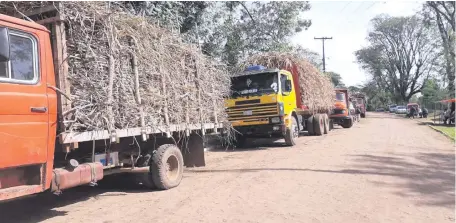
<point>323,41</point>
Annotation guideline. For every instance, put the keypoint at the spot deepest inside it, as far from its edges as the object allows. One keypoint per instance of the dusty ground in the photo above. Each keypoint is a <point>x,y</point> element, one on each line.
<point>384,169</point>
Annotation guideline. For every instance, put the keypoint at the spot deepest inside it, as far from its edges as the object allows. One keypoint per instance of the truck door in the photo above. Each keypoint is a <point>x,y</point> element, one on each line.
<point>24,105</point>
<point>289,98</point>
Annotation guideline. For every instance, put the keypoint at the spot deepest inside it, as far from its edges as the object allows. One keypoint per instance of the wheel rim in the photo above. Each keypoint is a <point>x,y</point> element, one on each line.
<point>295,130</point>
<point>172,167</point>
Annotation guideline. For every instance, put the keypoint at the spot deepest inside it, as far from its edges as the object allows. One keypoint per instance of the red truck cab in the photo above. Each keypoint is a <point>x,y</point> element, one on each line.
<point>341,114</point>
<point>28,116</point>
<point>360,102</point>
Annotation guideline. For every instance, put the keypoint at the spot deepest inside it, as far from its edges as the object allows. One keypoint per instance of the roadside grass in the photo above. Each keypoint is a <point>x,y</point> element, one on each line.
<point>436,124</point>
<point>447,130</point>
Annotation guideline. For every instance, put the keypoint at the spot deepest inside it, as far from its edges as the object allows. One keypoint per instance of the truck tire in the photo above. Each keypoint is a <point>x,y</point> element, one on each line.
<point>310,125</point>
<point>167,167</point>
<point>145,178</point>
<point>348,123</point>
<point>292,132</point>
<point>319,125</point>
<point>326,121</point>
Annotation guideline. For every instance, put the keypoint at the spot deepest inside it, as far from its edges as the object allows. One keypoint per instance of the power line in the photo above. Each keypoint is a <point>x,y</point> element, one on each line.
<point>345,6</point>
<point>358,8</point>
<point>323,41</point>
<point>340,12</point>
<point>371,6</point>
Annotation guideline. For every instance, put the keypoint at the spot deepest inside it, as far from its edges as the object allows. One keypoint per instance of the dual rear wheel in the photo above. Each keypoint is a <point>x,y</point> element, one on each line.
<point>318,124</point>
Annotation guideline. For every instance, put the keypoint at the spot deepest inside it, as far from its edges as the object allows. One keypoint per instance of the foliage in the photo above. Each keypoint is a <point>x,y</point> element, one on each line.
<point>377,97</point>
<point>442,15</point>
<point>432,92</point>
<point>230,31</point>
<point>336,79</point>
<point>401,55</point>
<point>181,15</point>
<point>313,57</point>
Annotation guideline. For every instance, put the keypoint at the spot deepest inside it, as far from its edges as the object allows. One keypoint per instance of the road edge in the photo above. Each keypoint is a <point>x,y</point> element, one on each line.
<point>441,132</point>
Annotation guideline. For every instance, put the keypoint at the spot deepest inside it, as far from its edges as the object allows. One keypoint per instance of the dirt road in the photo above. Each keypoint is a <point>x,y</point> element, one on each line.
<point>384,169</point>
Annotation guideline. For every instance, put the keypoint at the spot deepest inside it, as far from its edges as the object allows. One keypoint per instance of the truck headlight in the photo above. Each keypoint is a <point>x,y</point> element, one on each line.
<point>275,120</point>
<point>281,109</point>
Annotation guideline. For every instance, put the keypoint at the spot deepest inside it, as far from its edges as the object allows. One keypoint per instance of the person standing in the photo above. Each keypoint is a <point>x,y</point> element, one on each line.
<point>412,112</point>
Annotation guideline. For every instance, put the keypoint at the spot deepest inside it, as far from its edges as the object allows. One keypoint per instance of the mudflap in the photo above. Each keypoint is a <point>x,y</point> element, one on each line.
<point>193,152</point>
<point>301,123</point>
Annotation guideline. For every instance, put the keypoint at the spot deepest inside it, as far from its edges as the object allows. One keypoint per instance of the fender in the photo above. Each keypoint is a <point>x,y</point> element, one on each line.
<point>287,120</point>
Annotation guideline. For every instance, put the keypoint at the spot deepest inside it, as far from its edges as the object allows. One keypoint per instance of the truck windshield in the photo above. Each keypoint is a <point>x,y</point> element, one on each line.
<point>359,101</point>
<point>256,84</point>
<point>340,96</point>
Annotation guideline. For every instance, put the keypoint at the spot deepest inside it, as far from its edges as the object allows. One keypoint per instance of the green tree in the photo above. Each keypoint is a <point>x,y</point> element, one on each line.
<point>401,55</point>
<point>230,31</point>
<point>180,15</point>
<point>252,27</point>
<point>336,79</point>
<point>432,92</point>
<point>313,57</point>
<point>442,14</point>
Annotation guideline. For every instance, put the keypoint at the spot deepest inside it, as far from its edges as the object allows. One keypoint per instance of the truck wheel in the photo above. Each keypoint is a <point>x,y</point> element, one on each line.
<point>348,123</point>
<point>292,132</point>
<point>326,122</point>
<point>319,124</point>
<point>310,125</point>
<point>145,178</point>
<point>167,167</point>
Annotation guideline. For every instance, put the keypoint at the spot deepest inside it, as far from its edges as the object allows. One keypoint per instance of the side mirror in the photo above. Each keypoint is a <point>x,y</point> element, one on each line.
<point>4,45</point>
<point>288,86</point>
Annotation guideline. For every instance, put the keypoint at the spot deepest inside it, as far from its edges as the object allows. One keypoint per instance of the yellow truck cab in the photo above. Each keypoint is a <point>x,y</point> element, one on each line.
<point>266,103</point>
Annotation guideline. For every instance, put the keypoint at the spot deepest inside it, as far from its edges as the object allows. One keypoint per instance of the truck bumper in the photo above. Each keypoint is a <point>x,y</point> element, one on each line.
<point>262,131</point>
<point>339,119</point>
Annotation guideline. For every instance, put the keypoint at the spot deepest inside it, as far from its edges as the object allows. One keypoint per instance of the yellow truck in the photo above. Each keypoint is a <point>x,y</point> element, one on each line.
<point>266,103</point>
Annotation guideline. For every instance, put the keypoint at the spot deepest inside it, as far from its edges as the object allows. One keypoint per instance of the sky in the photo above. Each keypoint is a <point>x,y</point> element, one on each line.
<point>347,22</point>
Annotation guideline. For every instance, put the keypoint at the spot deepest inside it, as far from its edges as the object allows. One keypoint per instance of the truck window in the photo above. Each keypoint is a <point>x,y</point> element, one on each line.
<point>3,69</point>
<point>340,96</point>
<point>23,62</point>
<point>263,83</point>
<point>283,80</point>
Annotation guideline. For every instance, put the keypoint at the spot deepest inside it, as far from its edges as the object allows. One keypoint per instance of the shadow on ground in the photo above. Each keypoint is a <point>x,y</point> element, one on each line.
<point>380,115</point>
<point>43,206</point>
<point>253,144</point>
<point>429,176</point>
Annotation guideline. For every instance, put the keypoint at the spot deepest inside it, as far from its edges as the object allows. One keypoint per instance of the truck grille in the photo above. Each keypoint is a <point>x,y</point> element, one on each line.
<point>252,113</point>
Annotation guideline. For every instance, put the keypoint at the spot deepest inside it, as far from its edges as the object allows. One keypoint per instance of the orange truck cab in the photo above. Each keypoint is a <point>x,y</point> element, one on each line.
<point>341,114</point>
<point>36,154</point>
